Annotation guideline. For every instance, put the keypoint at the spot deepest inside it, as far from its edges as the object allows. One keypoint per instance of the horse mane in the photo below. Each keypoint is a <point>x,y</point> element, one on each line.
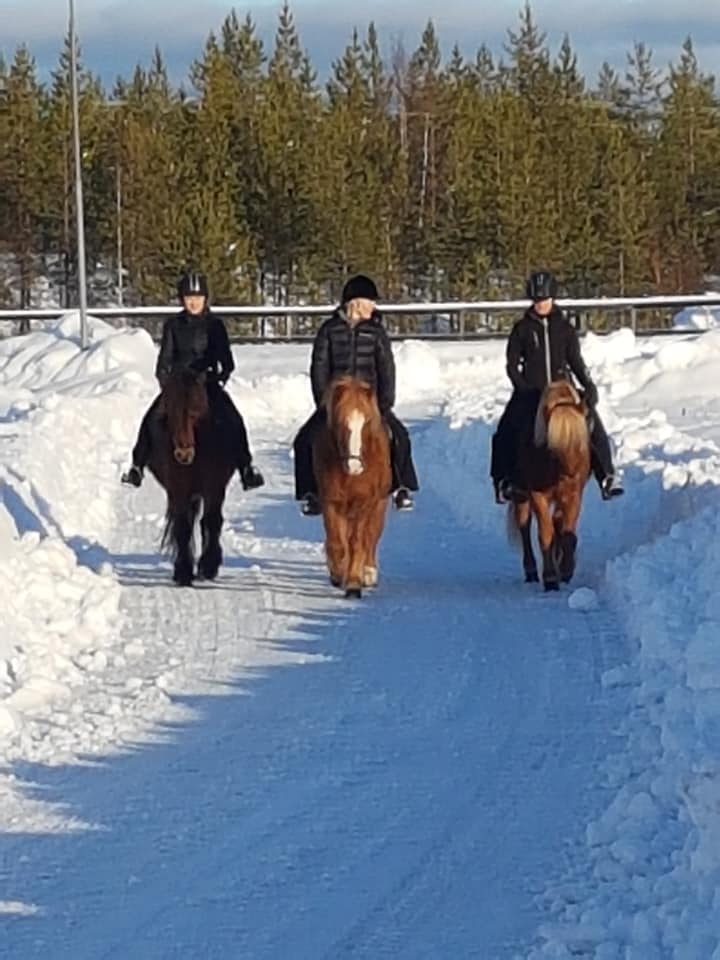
<point>560,422</point>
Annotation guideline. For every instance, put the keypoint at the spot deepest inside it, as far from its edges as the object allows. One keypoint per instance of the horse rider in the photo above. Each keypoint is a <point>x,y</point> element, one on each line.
<point>544,346</point>
<point>353,341</point>
<point>196,339</point>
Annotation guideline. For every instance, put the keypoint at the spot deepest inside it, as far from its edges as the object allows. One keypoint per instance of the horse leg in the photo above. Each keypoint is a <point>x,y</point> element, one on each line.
<point>356,555</point>
<point>211,525</point>
<point>566,519</point>
<point>523,520</point>
<point>373,532</point>
<point>546,535</point>
<point>183,523</point>
<point>336,543</point>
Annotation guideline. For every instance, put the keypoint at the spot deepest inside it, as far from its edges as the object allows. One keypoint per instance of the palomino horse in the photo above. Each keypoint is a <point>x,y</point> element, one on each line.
<point>556,466</point>
<point>351,458</point>
<point>192,459</point>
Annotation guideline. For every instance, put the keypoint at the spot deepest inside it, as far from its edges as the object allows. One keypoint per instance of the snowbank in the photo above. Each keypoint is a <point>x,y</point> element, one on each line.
<point>654,885</point>
<point>57,616</point>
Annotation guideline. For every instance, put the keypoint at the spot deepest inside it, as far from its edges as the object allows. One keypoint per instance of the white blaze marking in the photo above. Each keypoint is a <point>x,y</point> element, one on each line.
<point>355,424</point>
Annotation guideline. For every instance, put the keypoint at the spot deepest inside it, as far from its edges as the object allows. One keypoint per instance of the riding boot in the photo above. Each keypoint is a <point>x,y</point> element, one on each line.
<point>305,482</point>
<point>403,500</point>
<point>310,506</point>
<point>133,477</point>
<point>250,477</point>
<point>401,462</point>
<point>143,447</point>
<point>601,459</point>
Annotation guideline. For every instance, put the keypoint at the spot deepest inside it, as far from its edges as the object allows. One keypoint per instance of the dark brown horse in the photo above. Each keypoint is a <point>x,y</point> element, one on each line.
<point>351,457</point>
<point>556,466</point>
<point>193,460</point>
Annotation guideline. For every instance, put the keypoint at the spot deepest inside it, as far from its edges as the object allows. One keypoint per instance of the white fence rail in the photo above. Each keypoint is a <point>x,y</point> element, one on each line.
<point>439,320</point>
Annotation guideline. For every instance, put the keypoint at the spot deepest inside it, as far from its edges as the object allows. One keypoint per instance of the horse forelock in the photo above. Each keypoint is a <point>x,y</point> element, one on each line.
<point>184,402</point>
<point>347,394</point>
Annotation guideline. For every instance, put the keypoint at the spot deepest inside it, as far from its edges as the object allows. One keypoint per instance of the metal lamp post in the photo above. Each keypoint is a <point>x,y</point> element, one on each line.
<point>82,277</point>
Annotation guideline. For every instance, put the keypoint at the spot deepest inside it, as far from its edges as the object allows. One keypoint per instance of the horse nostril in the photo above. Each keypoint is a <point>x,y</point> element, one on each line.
<point>184,455</point>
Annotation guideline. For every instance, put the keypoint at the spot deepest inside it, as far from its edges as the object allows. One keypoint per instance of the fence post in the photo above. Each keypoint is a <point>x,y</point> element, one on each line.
<point>461,324</point>
<point>288,326</point>
<point>633,319</point>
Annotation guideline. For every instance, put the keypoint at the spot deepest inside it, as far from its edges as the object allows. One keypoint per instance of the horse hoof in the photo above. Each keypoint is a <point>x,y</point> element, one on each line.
<point>551,585</point>
<point>531,576</point>
<point>353,593</point>
<point>370,577</point>
<point>207,573</point>
<point>335,581</point>
<point>183,581</point>
<point>567,578</point>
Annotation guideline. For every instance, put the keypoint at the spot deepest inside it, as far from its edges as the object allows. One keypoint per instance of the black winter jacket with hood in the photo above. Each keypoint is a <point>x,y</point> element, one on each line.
<point>361,349</point>
<point>198,342</point>
<point>541,349</point>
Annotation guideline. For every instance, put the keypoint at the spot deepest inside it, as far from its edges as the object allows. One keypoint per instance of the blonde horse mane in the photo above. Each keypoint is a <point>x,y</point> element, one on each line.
<point>560,422</point>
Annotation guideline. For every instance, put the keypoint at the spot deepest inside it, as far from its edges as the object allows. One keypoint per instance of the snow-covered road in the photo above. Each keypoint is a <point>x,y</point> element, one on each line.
<point>403,793</point>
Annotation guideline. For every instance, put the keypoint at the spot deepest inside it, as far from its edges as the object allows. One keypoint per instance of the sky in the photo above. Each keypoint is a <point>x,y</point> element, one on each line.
<point>117,34</point>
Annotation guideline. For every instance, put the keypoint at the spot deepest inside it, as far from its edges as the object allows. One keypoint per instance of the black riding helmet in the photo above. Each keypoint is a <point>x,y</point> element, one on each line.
<point>192,284</point>
<point>541,285</point>
<point>359,287</point>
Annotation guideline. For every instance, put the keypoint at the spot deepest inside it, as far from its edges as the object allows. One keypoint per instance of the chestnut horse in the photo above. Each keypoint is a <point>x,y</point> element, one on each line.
<point>193,461</point>
<point>556,466</point>
<point>351,459</point>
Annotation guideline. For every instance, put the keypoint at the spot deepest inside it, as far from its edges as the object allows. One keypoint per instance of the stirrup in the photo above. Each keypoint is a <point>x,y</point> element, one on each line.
<point>610,488</point>
<point>310,506</point>
<point>512,493</point>
<point>403,500</point>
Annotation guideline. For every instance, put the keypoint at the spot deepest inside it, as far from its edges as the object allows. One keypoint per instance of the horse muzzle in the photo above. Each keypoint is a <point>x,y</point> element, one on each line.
<point>184,455</point>
<point>354,466</point>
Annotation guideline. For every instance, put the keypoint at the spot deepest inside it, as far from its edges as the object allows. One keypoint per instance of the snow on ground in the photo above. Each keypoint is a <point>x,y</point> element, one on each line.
<point>458,767</point>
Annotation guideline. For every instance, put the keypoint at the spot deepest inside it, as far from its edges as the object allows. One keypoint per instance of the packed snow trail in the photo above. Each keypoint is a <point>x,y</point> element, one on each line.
<point>407,792</point>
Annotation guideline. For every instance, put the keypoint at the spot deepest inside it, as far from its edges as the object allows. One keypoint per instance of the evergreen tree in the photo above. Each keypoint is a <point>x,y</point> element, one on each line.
<point>288,127</point>
<point>440,179</point>
<point>22,168</point>
<point>687,173</point>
